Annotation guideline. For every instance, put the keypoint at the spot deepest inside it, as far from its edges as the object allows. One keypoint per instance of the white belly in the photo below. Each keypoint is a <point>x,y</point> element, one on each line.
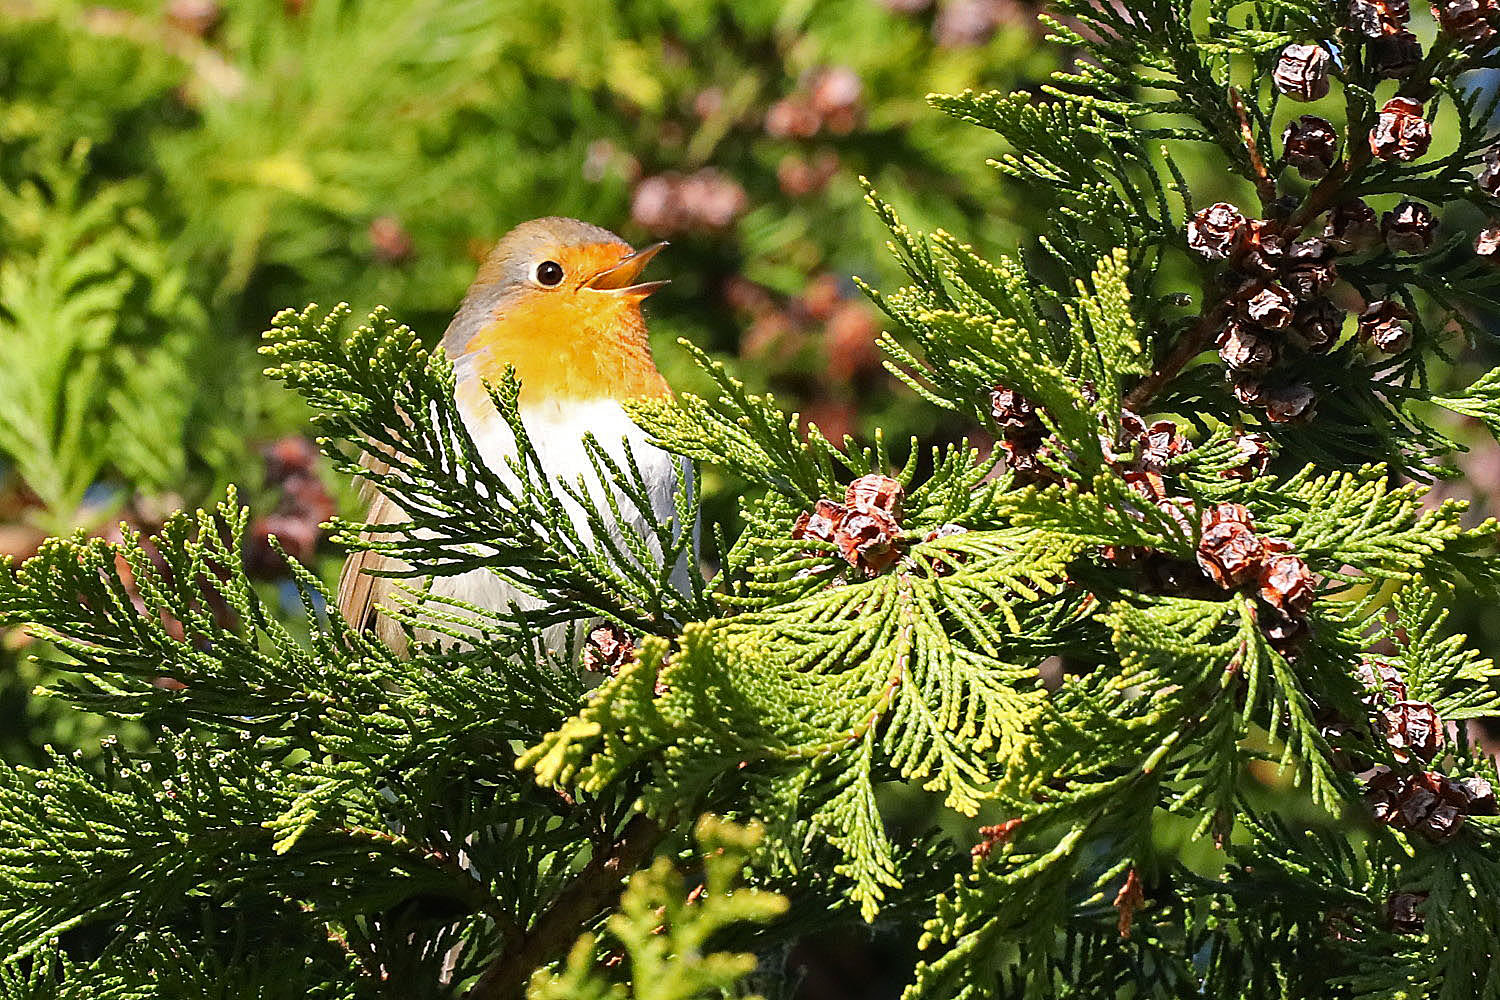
<point>557,433</point>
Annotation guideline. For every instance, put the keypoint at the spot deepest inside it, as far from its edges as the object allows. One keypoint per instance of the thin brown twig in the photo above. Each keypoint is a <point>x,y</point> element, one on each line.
<point>1264,185</point>
<point>1188,347</point>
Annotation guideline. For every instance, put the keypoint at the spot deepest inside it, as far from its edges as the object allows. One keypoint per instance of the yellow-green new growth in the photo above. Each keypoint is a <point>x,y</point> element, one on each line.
<point>662,931</point>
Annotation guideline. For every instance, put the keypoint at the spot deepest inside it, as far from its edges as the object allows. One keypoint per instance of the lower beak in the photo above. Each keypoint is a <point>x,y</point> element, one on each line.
<point>620,278</point>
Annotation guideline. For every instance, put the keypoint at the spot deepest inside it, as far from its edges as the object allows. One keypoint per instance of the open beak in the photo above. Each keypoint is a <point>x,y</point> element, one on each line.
<point>621,276</point>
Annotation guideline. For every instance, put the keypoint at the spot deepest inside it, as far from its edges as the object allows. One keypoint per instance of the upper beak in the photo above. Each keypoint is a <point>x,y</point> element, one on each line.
<point>621,276</point>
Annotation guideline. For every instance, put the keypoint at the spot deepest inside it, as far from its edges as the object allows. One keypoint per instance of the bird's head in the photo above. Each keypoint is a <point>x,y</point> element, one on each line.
<point>559,299</point>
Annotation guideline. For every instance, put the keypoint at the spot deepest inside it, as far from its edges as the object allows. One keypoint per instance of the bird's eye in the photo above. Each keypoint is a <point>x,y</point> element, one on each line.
<point>549,273</point>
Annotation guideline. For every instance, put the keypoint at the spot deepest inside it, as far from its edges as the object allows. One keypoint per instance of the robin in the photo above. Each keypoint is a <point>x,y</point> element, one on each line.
<point>558,300</point>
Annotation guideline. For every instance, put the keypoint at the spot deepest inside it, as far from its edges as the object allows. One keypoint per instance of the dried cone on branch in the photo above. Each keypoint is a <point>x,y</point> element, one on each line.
<point>1383,683</point>
<point>1470,22</point>
<point>1229,551</point>
<point>1352,226</point>
<point>866,527</point>
<point>1247,388</point>
<point>1160,443</point>
<point>1412,727</point>
<point>1255,457</point>
<point>1488,180</point>
<point>608,648</point>
<point>821,522</point>
<point>880,492</point>
<point>1289,404</point>
<point>1374,18</point>
<point>1385,324</point>
<point>1302,72</point>
<point>1245,348</point>
<point>1404,912</point>
<point>1266,304</point>
<point>1310,145</point>
<point>1022,433</point>
<point>1016,415</point>
<point>1261,249</point>
<point>1481,796</point>
<point>1394,55</point>
<point>1215,231</point>
<point>1308,270</point>
<point>1317,324</point>
<point>1409,228</point>
<point>1487,243</point>
<point>1400,132</point>
<point>867,539</point>
<point>1285,581</point>
<point>1427,803</point>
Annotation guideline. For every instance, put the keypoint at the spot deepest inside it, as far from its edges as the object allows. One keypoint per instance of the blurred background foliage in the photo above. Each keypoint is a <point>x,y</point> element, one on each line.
<point>172,174</point>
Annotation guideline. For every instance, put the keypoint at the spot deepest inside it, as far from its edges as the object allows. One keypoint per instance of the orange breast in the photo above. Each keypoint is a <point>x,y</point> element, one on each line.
<point>570,346</point>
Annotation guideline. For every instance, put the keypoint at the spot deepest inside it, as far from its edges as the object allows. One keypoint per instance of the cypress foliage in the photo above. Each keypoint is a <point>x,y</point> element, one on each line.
<point>1247,773</point>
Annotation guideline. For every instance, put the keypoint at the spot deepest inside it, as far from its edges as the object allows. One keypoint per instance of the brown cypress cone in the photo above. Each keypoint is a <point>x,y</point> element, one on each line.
<point>1285,581</point>
<point>1382,682</point>
<point>1481,796</point>
<point>608,648</point>
<point>1415,802</point>
<point>1261,248</point>
<point>1245,349</point>
<point>1266,304</point>
<point>1016,416</point>
<point>1310,145</point>
<point>1384,324</point>
<point>1352,226</point>
<point>1487,243</point>
<point>1215,231</point>
<point>1308,269</point>
<point>1403,911</point>
<point>1373,18</point>
<point>1412,727</point>
<point>1400,132</point>
<point>1150,485</point>
<point>1317,324</point>
<point>1410,227</point>
<point>1024,459</point>
<point>881,492</point>
<point>1160,443</point>
<point>1255,457</point>
<point>1427,803</point>
<point>1131,424</point>
<point>1488,180</point>
<point>1302,72</point>
<point>1441,821</point>
<point>867,539</point>
<point>1468,21</point>
<point>1247,388</point>
<point>821,523</point>
<point>1288,404</point>
<point>1228,549</point>
<point>1284,631</point>
<point>1382,790</point>
<point>1394,54</point>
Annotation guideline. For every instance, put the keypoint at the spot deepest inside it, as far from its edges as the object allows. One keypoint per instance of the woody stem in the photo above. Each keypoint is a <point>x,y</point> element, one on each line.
<point>589,894</point>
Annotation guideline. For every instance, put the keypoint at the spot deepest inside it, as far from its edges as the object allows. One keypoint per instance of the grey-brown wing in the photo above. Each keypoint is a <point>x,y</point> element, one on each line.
<point>360,593</point>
